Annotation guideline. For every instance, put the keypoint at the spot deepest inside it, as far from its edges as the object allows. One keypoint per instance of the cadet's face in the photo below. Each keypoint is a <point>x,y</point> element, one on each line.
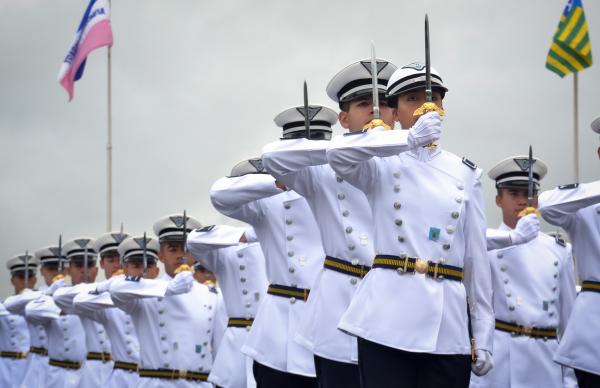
<point>110,264</point>
<point>202,276</point>
<point>409,102</point>
<point>171,256</point>
<point>18,282</point>
<point>137,269</point>
<point>360,113</point>
<point>48,274</point>
<point>76,270</point>
<point>512,201</point>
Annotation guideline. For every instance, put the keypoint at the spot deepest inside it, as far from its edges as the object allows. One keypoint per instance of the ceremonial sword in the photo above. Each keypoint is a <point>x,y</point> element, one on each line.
<point>184,266</point>
<point>26,269</point>
<point>61,264</point>
<point>145,256</point>
<point>306,110</point>
<point>530,184</point>
<point>429,105</point>
<point>85,263</point>
<point>376,121</point>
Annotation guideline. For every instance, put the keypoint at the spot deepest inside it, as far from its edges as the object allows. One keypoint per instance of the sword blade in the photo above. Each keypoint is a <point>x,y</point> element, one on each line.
<point>26,268</point>
<point>85,265</point>
<point>145,256</point>
<point>374,85</point>
<point>428,93</point>
<point>184,258</point>
<point>306,118</point>
<point>530,179</point>
<point>61,263</point>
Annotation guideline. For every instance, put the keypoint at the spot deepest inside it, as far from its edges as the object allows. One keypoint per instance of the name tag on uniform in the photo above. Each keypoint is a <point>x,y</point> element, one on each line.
<point>545,305</point>
<point>198,348</point>
<point>434,233</point>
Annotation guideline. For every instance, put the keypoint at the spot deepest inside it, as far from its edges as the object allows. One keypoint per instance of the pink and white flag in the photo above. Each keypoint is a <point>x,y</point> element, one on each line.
<point>94,31</point>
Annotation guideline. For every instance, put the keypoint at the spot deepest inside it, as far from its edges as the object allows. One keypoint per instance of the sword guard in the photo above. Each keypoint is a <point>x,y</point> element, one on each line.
<point>529,210</point>
<point>428,107</point>
<point>60,276</point>
<point>184,267</point>
<point>118,272</point>
<point>377,123</point>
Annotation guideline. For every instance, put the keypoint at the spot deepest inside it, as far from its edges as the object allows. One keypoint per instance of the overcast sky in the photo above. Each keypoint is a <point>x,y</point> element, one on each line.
<point>196,85</point>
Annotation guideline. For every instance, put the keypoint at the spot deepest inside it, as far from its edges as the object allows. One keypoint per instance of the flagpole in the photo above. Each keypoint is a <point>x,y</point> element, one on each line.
<point>576,126</point>
<point>109,146</point>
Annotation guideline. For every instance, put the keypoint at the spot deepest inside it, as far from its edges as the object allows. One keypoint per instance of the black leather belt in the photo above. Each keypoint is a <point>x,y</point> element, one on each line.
<point>104,357</point>
<point>65,364</point>
<point>40,351</point>
<point>588,285</point>
<point>173,374</point>
<point>346,267</point>
<point>405,264</point>
<point>15,355</point>
<point>530,331</point>
<point>288,292</point>
<point>130,366</point>
<point>240,322</point>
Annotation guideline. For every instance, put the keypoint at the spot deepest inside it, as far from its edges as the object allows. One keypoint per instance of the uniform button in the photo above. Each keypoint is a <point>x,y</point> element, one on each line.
<point>292,270</point>
<point>287,205</point>
<point>353,281</point>
<point>339,179</point>
<point>505,281</point>
<point>401,239</point>
<point>552,301</point>
<point>598,210</point>
<point>292,300</point>
<point>166,364</point>
<point>161,324</point>
<point>64,328</point>
<point>164,337</point>
<point>345,213</point>
<point>354,262</point>
<point>165,351</point>
<point>397,205</point>
<point>551,313</point>
<point>160,299</point>
<point>129,352</point>
<point>290,253</point>
<point>349,229</point>
<point>203,355</point>
<point>42,338</point>
<point>503,268</point>
<point>242,267</point>
<point>245,292</point>
<point>396,188</point>
<point>398,222</point>
<point>556,263</point>
<point>290,238</point>
<point>341,196</point>
<point>555,275</point>
<point>455,214</point>
<point>511,308</point>
<point>127,333</point>
<point>508,294</point>
<point>460,186</point>
<point>66,349</point>
<point>101,342</point>
<point>159,311</point>
<point>295,285</point>
<point>458,199</point>
<point>243,279</point>
<point>288,221</point>
<point>554,288</point>
<point>240,254</point>
<point>248,305</point>
<point>446,247</point>
<point>397,174</point>
<point>351,247</point>
<point>500,255</point>
<point>450,229</point>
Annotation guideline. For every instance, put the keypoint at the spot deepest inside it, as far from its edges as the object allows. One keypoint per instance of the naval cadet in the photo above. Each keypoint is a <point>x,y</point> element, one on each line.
<point>228,252</point>
<point>576,208</point>
<point>179,321</point>
<point>534,286</point>
<point>410,312</point>
<point>288,234</point>
<point>118,324</point>
<point>14,330</point>
<point>82,258</point>
<point>342,213</point>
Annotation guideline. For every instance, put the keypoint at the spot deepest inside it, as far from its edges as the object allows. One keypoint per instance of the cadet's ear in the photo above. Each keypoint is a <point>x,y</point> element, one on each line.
<point>498,199</point>
<point>343,119</point>
<point>598,152</point>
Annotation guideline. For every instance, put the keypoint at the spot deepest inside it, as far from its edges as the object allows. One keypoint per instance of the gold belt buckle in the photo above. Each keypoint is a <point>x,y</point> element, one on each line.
<point>183,374</point>
<point>527,330</point>
<point>421,266</point>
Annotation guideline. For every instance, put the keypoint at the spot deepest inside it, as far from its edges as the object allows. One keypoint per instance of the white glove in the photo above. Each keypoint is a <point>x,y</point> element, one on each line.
<point>426,130</point>
<point>181,283</point>
<point>527,229</point>
<point>54,286</point>
<point>484,362</point>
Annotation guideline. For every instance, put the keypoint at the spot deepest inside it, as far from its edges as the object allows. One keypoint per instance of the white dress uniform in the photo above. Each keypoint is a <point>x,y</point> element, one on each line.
<point>534,289</point>
<point>576,208</point>
<point>176,333</point>
<point>14,346</point>
<point>346,225</point>
<point>37,359</point>
<point>121,333</point>
<point>98,366</point>
<point>426,203</point>
<point>218,249</point>
<point>291,243</point>
<point>66,342</point>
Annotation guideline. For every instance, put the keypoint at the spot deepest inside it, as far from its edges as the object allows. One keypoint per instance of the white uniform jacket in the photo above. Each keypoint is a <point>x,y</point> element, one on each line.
<point>14,338</point>
<point>121,333</point>
<point>37,364</point>
<point>290,240</point>
<point>346,225</point>
<point>240,270</point>
<point>178,332</point>
<point>426,204</point>
<point>95,372</point>
<point>534,286</point>
<point>576,208</point>
<point>66,340</point>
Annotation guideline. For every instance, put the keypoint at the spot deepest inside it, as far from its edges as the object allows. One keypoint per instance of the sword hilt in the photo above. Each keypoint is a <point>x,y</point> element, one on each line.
<point>428,107</point>
<point>183,267</point>
<point>377,123</point>
<point>529,210</point>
